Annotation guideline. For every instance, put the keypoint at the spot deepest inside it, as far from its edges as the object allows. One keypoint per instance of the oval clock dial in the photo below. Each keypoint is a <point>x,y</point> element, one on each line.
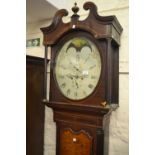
<point>78,68</point>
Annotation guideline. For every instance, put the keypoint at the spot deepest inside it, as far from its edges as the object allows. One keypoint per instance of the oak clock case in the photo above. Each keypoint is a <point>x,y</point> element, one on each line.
<point>84,79</point>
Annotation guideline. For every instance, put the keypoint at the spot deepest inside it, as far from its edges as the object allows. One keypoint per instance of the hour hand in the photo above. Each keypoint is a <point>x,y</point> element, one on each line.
<point>77,69</point>
<point>70,76</point>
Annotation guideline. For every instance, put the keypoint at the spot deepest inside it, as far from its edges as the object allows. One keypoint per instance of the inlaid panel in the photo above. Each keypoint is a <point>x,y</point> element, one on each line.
<point>75,143</point>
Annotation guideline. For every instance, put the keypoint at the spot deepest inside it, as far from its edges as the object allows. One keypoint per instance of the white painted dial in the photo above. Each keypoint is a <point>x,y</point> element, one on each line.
<point>78,68</point>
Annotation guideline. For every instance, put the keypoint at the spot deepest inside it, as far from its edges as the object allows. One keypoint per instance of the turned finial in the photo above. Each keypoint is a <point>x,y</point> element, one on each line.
<point>75,9</point>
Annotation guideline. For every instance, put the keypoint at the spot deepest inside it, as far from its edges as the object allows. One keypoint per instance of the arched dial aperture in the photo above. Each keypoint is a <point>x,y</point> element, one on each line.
<point>78,68</point>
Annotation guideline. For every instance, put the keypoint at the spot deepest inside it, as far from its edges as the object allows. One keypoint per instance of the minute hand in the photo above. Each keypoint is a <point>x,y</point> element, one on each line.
<point>77,69</point>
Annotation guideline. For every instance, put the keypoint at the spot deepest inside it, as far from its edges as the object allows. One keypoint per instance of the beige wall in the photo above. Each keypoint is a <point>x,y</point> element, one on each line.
<point>33,31</point>
<point>119,119</point>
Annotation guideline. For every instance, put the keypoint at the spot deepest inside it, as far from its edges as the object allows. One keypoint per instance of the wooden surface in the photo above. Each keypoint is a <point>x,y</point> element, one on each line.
<point>75,143</point>
<point>98,26</point>
<point>34,106</point>
<point>105,32</point>
<point>89,115</point>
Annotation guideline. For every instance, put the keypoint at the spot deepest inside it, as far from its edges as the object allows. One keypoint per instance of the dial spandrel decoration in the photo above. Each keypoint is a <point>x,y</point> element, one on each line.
<point>78,68</point>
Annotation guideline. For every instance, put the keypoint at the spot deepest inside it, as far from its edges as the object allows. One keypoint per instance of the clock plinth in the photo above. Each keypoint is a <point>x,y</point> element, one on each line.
<point>83,79</point>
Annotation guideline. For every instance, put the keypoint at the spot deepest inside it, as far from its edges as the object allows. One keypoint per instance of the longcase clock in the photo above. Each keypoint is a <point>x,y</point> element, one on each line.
<point>84,76</point>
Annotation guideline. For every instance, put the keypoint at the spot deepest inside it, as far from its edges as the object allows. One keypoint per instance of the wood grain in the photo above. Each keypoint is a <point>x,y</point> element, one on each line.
<point>34,107</point>
<point>85,120</point>
<point>75,143</point>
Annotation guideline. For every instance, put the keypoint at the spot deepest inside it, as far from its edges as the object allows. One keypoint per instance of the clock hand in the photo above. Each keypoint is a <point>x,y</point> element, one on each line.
<point>70,76</point>
<point>76,76</point>
<point>77,69</point>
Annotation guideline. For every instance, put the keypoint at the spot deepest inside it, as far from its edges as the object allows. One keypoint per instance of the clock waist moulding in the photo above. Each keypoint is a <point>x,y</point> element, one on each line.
<point>81,106</point>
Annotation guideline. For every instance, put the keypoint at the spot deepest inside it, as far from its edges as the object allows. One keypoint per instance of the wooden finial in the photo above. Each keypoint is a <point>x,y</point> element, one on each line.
<point>75,8</point>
